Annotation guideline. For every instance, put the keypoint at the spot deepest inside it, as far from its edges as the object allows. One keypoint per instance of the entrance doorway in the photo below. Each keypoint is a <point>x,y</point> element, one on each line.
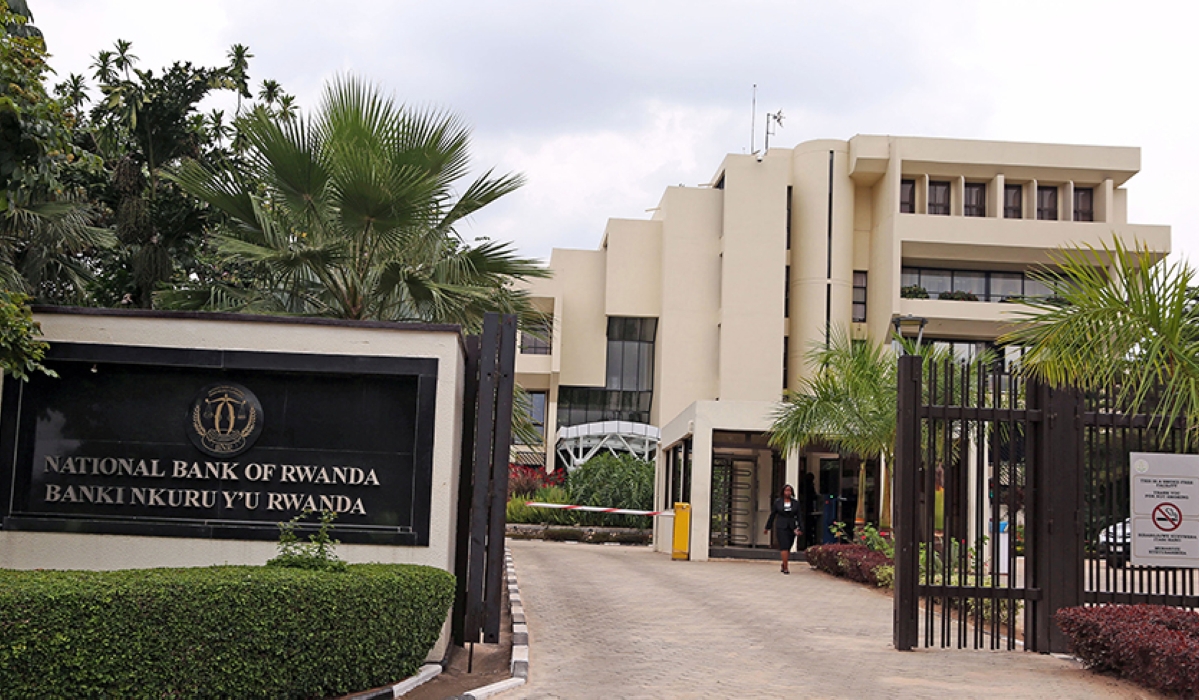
<point>836,481</point>
<point>746,476</point>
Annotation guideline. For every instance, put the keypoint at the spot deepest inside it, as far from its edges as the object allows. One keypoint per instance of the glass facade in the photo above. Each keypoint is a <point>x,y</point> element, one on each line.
<point>628,388</point>
<point>986,285</point>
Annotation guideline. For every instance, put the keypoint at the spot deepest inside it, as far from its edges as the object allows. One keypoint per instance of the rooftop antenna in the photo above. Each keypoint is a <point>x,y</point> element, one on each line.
<point>777,118</point>
<point>753,118</point>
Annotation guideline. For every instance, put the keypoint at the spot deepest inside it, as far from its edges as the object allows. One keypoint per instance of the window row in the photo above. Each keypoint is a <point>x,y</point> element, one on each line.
<point>980,284</point>
<point>581,404</point>
<point>975,200</point>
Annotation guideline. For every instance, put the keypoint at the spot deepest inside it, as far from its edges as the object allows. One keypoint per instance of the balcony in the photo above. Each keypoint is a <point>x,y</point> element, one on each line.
<point>948,240</point>
<point>962,319</point>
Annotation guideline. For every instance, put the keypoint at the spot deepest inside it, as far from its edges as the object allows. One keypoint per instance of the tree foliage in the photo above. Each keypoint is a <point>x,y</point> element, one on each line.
<point>351,212</point>
<point>1118,321</point>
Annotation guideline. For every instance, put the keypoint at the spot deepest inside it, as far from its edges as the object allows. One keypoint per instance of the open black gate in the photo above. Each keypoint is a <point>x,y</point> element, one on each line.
<point>483,481</point>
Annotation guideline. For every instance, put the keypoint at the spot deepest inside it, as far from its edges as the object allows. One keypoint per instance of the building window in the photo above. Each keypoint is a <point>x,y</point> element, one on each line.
<point>787,293</point>
<point>537,339</point>
<point>1047,203</point>
<point>907,196</point>
<point>985,285</point>
<point>859,296</point>
<point>1013,201</point>
<point>938,198</point>
<point>975,203</point>
<point>631,353</point>
<point>788,217</point>
<point>627,393</point>
<point>786,350</point>
<point>1084,204</point>
<point>537,403</point>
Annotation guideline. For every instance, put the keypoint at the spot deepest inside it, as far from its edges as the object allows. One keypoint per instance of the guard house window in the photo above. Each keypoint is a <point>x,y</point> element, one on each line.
<point>976,199</point>
<point>537,403</point>
<point>536,340</point>
<point>859,296</point>
<point>1013,202</point>
<point>1084,204</point>
<point>1047,203</point>
<point>907,196</point>
<point>938,198</point>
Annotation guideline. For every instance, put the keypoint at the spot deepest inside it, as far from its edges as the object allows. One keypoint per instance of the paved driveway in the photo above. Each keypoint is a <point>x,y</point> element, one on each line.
<point>624,622</point>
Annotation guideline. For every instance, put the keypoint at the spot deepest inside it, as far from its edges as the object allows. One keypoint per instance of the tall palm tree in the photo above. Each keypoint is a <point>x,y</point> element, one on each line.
<point>106,72</point>
<point>850,403</point>
<point>1118,321</point>
<point>353,213</point>
<point>123,60</point>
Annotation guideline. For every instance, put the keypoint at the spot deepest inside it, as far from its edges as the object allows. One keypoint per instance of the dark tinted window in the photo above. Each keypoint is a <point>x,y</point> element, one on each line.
<point>859,296</point>
<point>1084,204</point>
<point>975,203</point>
<point>1013,202</point>
<point>536,340</point>
<point>1047,203</point>
<point>907,196</point>
<point>938,198</point>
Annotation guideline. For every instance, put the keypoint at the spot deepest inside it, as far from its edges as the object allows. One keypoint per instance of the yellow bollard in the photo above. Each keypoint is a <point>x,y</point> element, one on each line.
<point>682,532</point>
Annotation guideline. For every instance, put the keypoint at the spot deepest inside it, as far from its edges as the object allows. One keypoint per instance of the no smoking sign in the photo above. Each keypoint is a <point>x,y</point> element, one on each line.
<point>1167,517</point>
<point>1164,509</point>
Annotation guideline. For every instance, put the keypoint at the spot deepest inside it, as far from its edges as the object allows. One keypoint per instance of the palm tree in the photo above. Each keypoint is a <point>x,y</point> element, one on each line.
<point>287,109</point>
<point>1117,321</point>
<point>270,92</point>
<point>73,91</point>
<point>42,247</point>
<point>238,71</point>
<point>352,213</point>
<point>851,402</point>
<point>123,59</point>
<point>106,72</point>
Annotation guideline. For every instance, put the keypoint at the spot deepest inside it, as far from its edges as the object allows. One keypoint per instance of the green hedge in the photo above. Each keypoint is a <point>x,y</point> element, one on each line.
<point>228,631</point>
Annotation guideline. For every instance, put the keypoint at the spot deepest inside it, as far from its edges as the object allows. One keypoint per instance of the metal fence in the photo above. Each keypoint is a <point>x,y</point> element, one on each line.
<point>1012,502</point>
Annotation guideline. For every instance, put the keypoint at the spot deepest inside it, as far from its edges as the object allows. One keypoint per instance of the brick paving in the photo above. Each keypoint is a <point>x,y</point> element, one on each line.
<point>625,622</point>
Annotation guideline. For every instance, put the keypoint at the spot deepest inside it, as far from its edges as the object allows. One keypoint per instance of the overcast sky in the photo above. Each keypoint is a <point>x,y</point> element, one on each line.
<point>603,104</point>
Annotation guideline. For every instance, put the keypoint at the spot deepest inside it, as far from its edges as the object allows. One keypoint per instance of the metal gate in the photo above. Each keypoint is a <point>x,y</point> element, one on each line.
<point>1009,499</point>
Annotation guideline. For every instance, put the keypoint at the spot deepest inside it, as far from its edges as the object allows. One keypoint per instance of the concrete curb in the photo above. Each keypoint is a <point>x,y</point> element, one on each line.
<point>426,673</point>
<point>519,665</point>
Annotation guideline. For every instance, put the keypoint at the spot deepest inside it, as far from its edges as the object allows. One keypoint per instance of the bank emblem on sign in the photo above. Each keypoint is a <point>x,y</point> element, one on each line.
<point>225,420</point>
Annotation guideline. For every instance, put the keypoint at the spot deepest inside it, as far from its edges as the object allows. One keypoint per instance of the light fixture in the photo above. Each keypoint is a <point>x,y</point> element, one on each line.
<point>909,322</point>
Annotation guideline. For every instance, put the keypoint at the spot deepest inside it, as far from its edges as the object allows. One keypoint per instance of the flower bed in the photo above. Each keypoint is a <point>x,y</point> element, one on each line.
<point>856,562</point>
<point>1153,645</point>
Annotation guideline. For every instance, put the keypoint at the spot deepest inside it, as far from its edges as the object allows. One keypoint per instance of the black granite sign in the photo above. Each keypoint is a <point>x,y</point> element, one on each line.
<point>220,444</point>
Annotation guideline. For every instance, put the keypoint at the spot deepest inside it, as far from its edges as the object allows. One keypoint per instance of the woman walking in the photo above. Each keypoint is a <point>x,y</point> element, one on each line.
<point>785,516</point>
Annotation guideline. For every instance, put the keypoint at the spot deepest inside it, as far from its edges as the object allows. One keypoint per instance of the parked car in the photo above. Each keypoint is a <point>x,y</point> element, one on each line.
<point>1115,543</point>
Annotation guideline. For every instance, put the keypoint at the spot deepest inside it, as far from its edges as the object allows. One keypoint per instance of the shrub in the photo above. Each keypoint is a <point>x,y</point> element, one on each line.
<point>853,561</point>
<point>1153,645</point>
<point>226,631</point>
<point>958,296</point>
<point>612,481</point>
<point>524,480</point>
<point>316,554</point>
<point>913,291</point>
<point>518,512</point>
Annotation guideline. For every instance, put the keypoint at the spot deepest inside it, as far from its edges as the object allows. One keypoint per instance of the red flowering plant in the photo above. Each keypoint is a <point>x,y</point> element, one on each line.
<point>1156,646</point>
<point>526,480</point>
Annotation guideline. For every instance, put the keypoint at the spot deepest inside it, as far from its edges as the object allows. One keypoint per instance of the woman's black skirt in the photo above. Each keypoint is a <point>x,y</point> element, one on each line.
<point>785,536</point>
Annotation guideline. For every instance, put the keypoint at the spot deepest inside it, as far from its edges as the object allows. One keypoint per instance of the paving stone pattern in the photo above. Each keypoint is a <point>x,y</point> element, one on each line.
<point>625,622</point>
